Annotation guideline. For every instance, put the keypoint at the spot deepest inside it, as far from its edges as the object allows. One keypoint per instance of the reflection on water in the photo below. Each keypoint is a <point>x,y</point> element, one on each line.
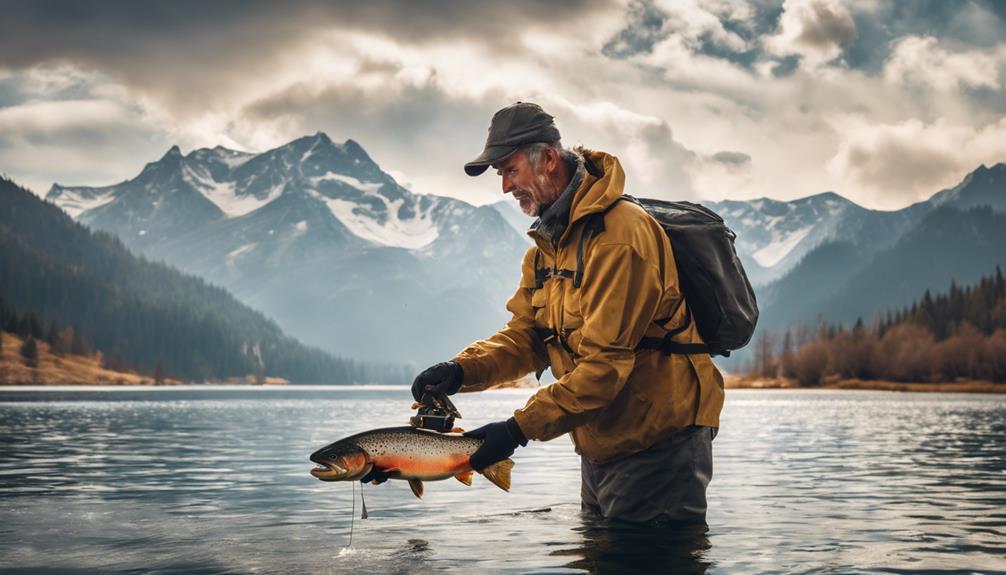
<point>615,547</point>
<point>212,481</point>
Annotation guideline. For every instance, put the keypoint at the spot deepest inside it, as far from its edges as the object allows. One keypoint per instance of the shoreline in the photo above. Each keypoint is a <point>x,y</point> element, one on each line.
<point>777,383</point>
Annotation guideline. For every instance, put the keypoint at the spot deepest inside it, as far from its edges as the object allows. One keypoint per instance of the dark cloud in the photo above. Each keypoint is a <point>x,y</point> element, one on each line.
<point>168,48</point>
<point>824,27</point>
<point>734,159</point>
<point>644,28</point>
<point>866,39</point>
<point>973,23</point>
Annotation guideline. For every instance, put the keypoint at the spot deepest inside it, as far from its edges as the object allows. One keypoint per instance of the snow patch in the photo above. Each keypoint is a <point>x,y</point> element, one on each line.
<point>233,255</point>
<point>75,202</point>
<point>365,187</point>
<point>413,234</point>
<point>234,159</point>
<point>773,253</point>
<point>223,194</point>
<point>300,228</point>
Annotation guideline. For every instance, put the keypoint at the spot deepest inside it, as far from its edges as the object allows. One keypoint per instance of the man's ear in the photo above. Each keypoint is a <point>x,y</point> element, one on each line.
<point>551,160</point>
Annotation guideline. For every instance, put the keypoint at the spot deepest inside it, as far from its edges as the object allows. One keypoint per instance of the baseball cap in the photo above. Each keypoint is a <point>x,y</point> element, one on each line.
<point>516,125</point>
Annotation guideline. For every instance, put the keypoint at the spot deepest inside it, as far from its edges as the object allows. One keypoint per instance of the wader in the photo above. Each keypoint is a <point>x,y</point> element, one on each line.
<point>666,482</point>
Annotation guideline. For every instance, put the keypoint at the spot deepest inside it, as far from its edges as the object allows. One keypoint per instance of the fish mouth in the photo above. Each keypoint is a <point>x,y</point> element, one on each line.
<point>328,471</point>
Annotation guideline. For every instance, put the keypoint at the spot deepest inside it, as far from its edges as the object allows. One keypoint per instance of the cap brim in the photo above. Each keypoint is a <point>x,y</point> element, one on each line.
<point>488,157</point>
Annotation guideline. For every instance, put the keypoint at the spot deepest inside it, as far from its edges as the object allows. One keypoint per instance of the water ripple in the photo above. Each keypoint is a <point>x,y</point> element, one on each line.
<point>215,481</point>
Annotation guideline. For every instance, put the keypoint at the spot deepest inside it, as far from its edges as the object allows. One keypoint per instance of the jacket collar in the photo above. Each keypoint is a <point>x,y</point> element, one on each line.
<point>553,220</point>
<point>601,182</point>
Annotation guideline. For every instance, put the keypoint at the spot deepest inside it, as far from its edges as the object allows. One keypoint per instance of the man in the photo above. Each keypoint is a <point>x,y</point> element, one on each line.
<point>642,421</point>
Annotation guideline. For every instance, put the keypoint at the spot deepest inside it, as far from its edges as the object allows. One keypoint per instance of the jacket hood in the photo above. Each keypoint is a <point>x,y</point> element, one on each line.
<point>602,186</point>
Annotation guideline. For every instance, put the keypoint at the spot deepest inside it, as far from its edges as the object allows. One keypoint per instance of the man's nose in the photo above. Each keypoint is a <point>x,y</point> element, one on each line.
<point>507,188</point>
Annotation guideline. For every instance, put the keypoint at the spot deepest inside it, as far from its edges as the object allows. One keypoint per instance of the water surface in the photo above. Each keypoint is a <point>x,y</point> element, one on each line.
<point>172,480</point>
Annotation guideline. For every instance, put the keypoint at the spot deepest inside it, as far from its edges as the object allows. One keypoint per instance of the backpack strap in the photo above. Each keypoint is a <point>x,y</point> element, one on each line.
<point>543,274</point>
<point>592,227</point>
<point>666,345</point>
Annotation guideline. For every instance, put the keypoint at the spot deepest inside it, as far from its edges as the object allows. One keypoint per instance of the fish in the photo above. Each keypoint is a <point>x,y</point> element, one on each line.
<point>415,455</point>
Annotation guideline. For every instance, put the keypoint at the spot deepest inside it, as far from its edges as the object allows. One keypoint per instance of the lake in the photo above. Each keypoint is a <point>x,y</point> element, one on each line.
<point>215,480</point>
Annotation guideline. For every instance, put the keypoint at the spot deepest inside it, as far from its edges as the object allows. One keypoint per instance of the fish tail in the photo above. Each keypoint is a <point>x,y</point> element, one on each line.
<point>499,474</point>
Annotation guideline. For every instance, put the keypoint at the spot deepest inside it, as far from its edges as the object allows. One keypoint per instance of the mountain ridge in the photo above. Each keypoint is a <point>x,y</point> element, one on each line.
<point>305,218</point>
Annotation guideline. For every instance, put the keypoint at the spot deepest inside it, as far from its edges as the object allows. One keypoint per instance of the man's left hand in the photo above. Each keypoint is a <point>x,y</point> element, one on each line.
<point>375,476</point>
<point>499,441</point>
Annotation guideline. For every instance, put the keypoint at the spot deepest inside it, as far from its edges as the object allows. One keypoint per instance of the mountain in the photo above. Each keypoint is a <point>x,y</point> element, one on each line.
<point>982,187</point>
<point>143,313</point>
<point>317,236</point>
<point>957,234</point>
<point>773,236</point>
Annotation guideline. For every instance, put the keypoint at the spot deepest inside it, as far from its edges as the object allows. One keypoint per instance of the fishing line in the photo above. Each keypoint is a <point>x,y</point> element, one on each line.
<point>352,515</point>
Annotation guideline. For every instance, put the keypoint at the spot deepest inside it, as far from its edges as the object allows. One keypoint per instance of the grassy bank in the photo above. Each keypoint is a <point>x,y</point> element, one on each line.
<point>70,369</point>
<point>967,386</point>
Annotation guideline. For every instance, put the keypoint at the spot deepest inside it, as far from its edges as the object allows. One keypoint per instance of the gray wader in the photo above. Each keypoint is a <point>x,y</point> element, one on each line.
<point>666,482</point>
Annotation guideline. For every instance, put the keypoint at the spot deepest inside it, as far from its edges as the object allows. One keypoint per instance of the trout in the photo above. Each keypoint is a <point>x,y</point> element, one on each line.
<point>415,455</point>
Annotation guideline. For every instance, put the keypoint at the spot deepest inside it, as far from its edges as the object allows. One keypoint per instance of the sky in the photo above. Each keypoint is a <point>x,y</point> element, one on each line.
<point>884,102</point>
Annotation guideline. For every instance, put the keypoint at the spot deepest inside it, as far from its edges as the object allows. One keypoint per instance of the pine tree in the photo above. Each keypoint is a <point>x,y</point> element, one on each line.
<point>159,374</point>
<point>29,351</point>
<point>78,345</point>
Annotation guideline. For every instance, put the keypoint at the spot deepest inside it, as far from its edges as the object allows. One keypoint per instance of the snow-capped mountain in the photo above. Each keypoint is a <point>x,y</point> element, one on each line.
<point>774,236</point>
<point>317,236</point>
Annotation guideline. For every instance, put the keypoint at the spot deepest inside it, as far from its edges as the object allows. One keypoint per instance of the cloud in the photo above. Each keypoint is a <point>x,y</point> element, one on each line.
<point>731,159</point>
<point>681,91</point>
<point>920,62</point>
<point>816,30</point>
<point>909,161</point>
<point>656,164</point>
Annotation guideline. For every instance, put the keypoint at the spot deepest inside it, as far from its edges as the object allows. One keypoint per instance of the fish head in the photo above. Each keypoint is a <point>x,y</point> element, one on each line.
<point>340,461</point>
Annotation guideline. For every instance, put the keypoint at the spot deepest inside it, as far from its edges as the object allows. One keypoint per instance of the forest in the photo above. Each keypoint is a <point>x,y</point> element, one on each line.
<point>142,314</point>
<point>958,335</point>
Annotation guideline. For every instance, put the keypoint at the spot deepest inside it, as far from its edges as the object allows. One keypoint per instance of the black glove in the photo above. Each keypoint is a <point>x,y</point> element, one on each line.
<point>499,440</point>
<point>444,378</point>
<point>376,476</point>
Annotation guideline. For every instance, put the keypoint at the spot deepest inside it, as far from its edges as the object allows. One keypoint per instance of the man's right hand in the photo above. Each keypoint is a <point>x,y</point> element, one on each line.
<point>444,378</point>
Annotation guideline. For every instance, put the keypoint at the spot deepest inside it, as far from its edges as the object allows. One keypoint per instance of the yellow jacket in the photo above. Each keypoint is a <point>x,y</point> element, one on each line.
<point>614,399</point>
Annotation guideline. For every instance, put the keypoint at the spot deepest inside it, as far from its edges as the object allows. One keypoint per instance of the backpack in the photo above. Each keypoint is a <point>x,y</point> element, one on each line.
<point>718,293</point>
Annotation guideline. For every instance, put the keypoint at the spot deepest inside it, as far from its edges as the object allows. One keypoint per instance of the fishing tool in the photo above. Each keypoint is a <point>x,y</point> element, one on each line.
<point>434,412</point>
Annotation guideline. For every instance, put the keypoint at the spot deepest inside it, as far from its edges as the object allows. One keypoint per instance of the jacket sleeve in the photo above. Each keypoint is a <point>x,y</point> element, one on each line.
<point>512,352</point>
<point>619,298</point>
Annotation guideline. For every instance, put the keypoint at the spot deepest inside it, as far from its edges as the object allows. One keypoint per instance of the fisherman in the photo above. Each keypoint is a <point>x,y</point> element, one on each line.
<point>642,421</point>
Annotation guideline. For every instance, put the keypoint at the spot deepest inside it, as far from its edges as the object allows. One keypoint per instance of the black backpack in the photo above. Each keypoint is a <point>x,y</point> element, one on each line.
<point>716,289</point>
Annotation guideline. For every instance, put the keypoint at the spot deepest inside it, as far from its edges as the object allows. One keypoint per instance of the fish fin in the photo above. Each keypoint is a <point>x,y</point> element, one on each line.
<point>465,477</point>
<point>457,430</point>
<point>390,471</point>
<point>499,473</point>
<point>417,487</point>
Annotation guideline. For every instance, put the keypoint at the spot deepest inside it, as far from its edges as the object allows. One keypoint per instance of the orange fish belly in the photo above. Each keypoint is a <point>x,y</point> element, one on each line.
<point>423,468</point>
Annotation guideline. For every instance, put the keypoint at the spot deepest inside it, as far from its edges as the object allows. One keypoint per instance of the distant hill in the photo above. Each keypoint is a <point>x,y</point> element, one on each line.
<point>316,235</point>
<point>774,236</point>
<point>146,312</point>
<point>319,237</point>
<point>838,282</point>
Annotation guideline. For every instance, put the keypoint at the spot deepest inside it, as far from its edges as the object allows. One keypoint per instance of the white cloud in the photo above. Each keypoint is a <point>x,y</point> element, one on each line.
<point>693,19</point>
<point>816,30</point>
<point>35,119</point>
<point>920,61</point>
<point>908,161</point>
<point>420,103</point>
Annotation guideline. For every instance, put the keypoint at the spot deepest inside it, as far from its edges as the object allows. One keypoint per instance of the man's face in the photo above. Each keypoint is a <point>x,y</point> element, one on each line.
<point>532,190</point>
